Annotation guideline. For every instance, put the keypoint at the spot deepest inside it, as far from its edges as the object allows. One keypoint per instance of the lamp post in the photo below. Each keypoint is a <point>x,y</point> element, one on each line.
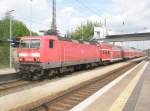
<point>82,31</point>
<point>31,17</point>
<point>10,36</point>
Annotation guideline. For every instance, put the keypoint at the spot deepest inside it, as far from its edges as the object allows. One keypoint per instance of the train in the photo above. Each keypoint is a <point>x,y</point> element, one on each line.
<point>46,56</point>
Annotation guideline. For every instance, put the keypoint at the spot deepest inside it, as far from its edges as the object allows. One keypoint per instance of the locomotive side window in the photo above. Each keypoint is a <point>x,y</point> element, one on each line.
<point>51,43</point>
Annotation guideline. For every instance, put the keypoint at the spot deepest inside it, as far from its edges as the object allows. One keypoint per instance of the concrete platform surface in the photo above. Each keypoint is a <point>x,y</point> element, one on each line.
<point>140,98</point>
<point>122,96</point>
<point>7,71</point>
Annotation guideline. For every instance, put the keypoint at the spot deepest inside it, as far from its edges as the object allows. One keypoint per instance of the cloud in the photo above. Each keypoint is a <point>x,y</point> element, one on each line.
<point>134,13</point>
<point>40,12</point>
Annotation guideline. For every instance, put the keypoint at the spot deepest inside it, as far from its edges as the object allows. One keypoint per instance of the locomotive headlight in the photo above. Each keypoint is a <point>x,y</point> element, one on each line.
<point>35,54</point>
<point>23,54</point>
<point>21,59</point>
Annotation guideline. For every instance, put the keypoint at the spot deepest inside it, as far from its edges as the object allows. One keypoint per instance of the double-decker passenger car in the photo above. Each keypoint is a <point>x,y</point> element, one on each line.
<point>110,53</point>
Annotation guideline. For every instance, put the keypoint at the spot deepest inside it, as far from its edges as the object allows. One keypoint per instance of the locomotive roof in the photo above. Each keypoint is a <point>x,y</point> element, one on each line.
<point>39,37</point>
<point>58,38</point>
<point>74,40</point>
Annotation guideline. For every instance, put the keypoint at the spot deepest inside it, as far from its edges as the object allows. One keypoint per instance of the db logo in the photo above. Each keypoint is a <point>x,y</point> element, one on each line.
<point>82,51</point>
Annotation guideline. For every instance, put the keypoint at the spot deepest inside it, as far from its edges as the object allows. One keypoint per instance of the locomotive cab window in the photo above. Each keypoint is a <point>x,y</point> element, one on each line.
<point>30,43</point>
<point>51,43</point>
<point>35,43</point>
<point>24,43</point>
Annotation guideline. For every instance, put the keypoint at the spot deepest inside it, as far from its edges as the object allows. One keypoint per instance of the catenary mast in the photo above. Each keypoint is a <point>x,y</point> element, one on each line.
<point>53,30</point>
<point>53,27</point>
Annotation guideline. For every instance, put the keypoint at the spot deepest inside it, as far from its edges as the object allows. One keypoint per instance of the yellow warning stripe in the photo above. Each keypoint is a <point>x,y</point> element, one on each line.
<point>120,102</point>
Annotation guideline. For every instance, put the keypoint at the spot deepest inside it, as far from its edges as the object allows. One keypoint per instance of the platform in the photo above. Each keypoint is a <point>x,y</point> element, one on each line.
<point>132,93</point>
<point>8,75</point>
<point>7,71</point>
<point>140,98</point>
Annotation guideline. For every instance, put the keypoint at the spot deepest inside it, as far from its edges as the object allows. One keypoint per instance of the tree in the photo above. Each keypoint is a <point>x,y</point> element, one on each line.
<point>18,30</point>
<point>85,30</point>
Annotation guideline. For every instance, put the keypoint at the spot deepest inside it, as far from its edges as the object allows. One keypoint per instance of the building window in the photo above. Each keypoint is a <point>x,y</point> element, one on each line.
<point>51,43</point>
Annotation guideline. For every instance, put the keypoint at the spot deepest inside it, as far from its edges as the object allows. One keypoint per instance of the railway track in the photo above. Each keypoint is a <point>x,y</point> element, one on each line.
<point>66,100</point>
<point>12,84</point>
<point>5,78</point>
<point>10,81</point>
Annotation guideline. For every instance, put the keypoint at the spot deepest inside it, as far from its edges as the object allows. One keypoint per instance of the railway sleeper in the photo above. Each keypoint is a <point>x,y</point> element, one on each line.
<point>74,98</point>
<point>54,108</point>
<point>79,95</point>
<point>82,94</point>
<point>62,104</point>
<point>68,101</point>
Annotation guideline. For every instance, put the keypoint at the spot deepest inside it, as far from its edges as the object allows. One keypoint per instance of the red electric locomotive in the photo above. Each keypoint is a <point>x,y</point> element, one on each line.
<point>46,55</point>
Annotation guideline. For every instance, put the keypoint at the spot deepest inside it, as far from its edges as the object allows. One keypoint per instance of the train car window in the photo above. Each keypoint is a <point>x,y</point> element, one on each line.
<point>51,43</point>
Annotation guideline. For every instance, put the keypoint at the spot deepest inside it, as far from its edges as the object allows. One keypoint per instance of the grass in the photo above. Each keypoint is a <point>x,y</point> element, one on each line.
<point>2,66</point>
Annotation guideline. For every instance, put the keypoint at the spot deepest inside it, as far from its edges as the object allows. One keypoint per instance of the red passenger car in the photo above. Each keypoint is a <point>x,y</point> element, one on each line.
<point>116,54</point>
<point>105,52</point>
<point>110,53</point>
<point>128,53</point>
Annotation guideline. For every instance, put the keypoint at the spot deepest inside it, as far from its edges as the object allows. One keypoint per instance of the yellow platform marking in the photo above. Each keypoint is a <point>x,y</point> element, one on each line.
<point>120,102</point>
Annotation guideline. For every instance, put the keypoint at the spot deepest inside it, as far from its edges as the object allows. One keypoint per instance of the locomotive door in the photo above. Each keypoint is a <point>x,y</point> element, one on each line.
<point>64,57</point>
<point>53,53</point>
<point>62,53</point>
<point>65,53</point>
<point>100,52</point>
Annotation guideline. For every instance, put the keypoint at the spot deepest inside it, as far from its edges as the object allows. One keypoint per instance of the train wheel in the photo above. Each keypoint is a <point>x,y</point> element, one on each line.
<point>51,74</point>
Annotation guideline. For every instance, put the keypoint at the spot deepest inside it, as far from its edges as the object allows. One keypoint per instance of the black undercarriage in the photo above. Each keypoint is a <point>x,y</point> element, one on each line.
<point>30,71</point>
<point>34,71</point>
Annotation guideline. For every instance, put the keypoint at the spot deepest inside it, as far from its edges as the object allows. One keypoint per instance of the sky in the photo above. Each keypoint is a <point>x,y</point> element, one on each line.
<point>122,16</point>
